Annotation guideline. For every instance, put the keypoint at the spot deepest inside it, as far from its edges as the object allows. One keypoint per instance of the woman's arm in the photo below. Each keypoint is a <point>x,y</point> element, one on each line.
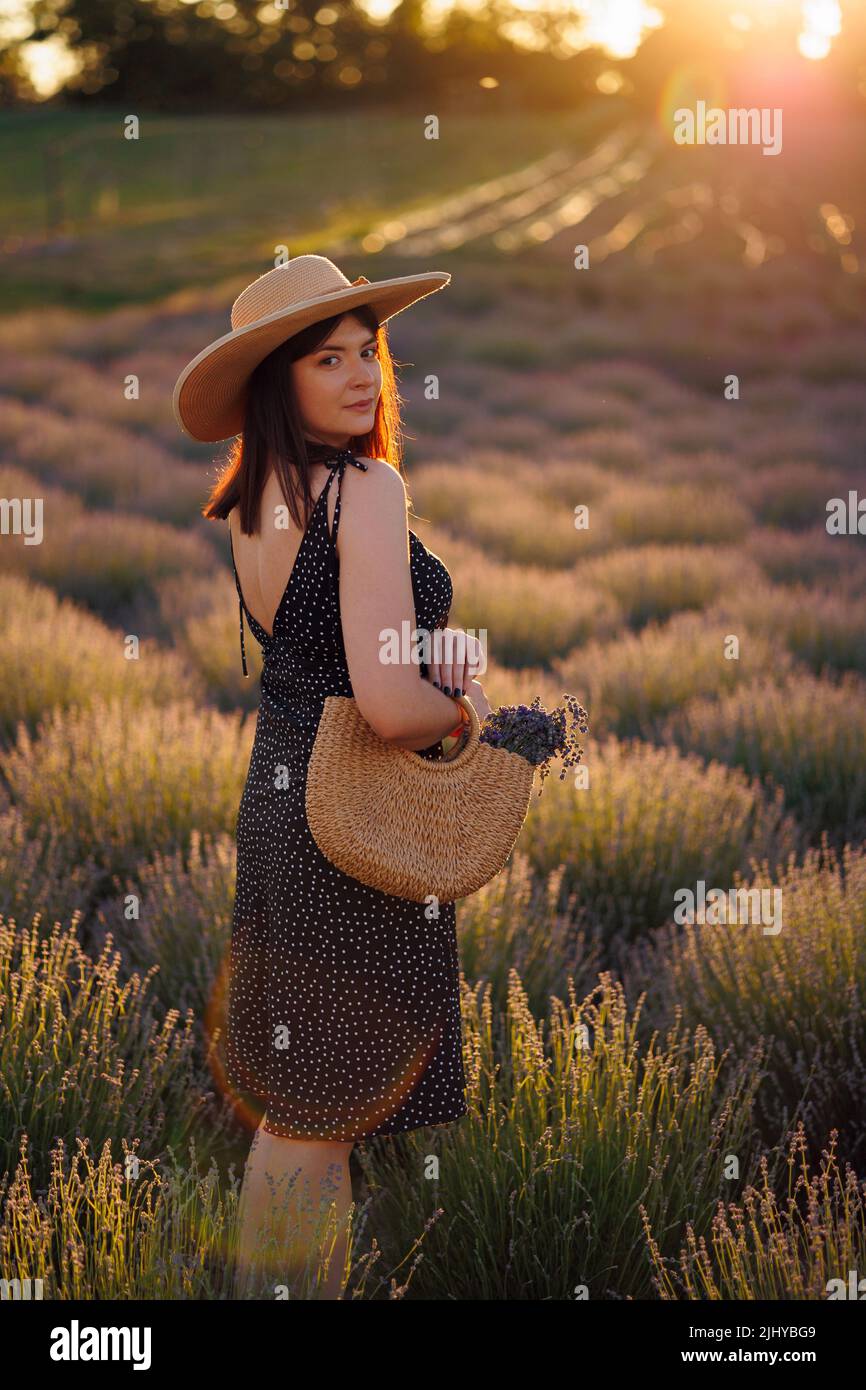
<point>376,600</point>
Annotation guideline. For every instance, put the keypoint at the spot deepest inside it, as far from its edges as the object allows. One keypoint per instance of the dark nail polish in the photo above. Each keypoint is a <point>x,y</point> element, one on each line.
<point>437,685</point>
<point>447,689</point>
<point>458,691</point>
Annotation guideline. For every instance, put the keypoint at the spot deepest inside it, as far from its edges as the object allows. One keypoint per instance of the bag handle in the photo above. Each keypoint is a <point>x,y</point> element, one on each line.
<point>465,755</point>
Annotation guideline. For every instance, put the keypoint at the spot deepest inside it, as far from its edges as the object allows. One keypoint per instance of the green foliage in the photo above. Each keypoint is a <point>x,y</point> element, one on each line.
<point>183,922</point>
<point>652,582</point>
<point>773,1244</point>
<point>822,629</point>
<point>630,684</point>
<point>804,735</point>
<point>650,820</point>
<point>84,1053</point>
<point>72,658</point>
<point>569,1132</point>
<point>119,784</point>
<point>801,988</point>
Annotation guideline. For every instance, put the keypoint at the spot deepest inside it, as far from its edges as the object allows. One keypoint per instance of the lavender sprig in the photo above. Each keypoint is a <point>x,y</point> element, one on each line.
<point>538,734</point>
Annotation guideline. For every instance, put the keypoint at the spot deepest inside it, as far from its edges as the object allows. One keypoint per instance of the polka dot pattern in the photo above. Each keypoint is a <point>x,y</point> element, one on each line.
<point>344,1003</point>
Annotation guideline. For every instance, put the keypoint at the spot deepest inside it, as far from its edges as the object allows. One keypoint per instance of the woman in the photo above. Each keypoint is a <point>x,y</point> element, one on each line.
<point>344,1009</point>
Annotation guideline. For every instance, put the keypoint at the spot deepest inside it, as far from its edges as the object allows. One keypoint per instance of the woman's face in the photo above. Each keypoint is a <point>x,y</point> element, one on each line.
<point>338,385</point>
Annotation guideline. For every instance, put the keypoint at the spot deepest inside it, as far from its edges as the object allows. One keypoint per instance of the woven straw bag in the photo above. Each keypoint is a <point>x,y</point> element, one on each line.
<point>408,825</point>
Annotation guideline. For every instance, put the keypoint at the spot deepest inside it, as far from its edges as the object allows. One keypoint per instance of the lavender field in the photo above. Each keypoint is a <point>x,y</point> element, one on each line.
<point>635,474</point>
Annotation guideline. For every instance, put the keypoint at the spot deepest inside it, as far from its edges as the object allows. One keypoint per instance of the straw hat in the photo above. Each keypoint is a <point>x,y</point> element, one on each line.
<point>210,394</point>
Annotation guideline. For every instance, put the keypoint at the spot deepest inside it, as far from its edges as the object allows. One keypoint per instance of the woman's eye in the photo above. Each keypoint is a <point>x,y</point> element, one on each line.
<point>334,358</point>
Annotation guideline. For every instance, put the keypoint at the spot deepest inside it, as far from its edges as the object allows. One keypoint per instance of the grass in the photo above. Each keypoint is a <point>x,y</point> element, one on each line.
<point>799,987</point>
<point>119,196</point>
<point>539,1201</point>
<point>121,786</point>
<point>113,1066</point>
<point>804,735</point>
<point>649,820</point>
<point>798,1243</point>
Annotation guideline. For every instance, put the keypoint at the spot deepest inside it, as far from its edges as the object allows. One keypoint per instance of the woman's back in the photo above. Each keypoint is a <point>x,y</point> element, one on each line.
<point>264,560</point>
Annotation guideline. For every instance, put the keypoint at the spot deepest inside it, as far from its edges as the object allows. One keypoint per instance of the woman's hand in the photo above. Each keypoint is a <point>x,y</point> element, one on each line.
<point>476,697</point>
<point>478,700</point>
<point>456,657</point>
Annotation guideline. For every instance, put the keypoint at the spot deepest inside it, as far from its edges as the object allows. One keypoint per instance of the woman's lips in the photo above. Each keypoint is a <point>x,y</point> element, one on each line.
<point>360,405</point>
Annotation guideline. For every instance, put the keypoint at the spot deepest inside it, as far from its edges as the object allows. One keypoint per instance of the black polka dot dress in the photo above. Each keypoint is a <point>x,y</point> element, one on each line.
<point>343,1002</point>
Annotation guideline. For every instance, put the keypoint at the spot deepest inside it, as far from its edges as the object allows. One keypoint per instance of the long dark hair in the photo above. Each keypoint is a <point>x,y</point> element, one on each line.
<point>273,428</point>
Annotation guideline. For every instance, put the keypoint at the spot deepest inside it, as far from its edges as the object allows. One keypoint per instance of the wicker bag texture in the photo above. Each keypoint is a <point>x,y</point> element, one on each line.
<point>408,825</point>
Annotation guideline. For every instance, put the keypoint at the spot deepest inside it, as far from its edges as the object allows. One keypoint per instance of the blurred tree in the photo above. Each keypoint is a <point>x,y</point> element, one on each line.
<point>15,84</point>
<point>259,55</point>
<point>176,56</point>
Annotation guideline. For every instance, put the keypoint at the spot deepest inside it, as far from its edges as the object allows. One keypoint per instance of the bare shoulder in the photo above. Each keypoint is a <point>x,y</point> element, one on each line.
<point>379,486</point>
<point>378,468</point>
<point>374,508</point>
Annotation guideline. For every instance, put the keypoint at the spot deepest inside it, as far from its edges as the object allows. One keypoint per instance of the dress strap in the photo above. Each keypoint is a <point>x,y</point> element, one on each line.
<point>343,457</point>
<point>243,648</point>
<point>240,603</point>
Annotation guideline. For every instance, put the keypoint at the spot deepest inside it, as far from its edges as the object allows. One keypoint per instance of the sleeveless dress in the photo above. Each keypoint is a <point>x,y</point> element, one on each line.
<point>343,1001</point>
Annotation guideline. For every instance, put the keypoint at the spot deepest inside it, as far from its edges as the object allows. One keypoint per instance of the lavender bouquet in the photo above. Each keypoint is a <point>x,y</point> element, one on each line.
<point>538,734</point>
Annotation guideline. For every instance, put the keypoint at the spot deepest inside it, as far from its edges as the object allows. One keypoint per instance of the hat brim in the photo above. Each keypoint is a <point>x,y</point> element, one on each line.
<point>209,397</point>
